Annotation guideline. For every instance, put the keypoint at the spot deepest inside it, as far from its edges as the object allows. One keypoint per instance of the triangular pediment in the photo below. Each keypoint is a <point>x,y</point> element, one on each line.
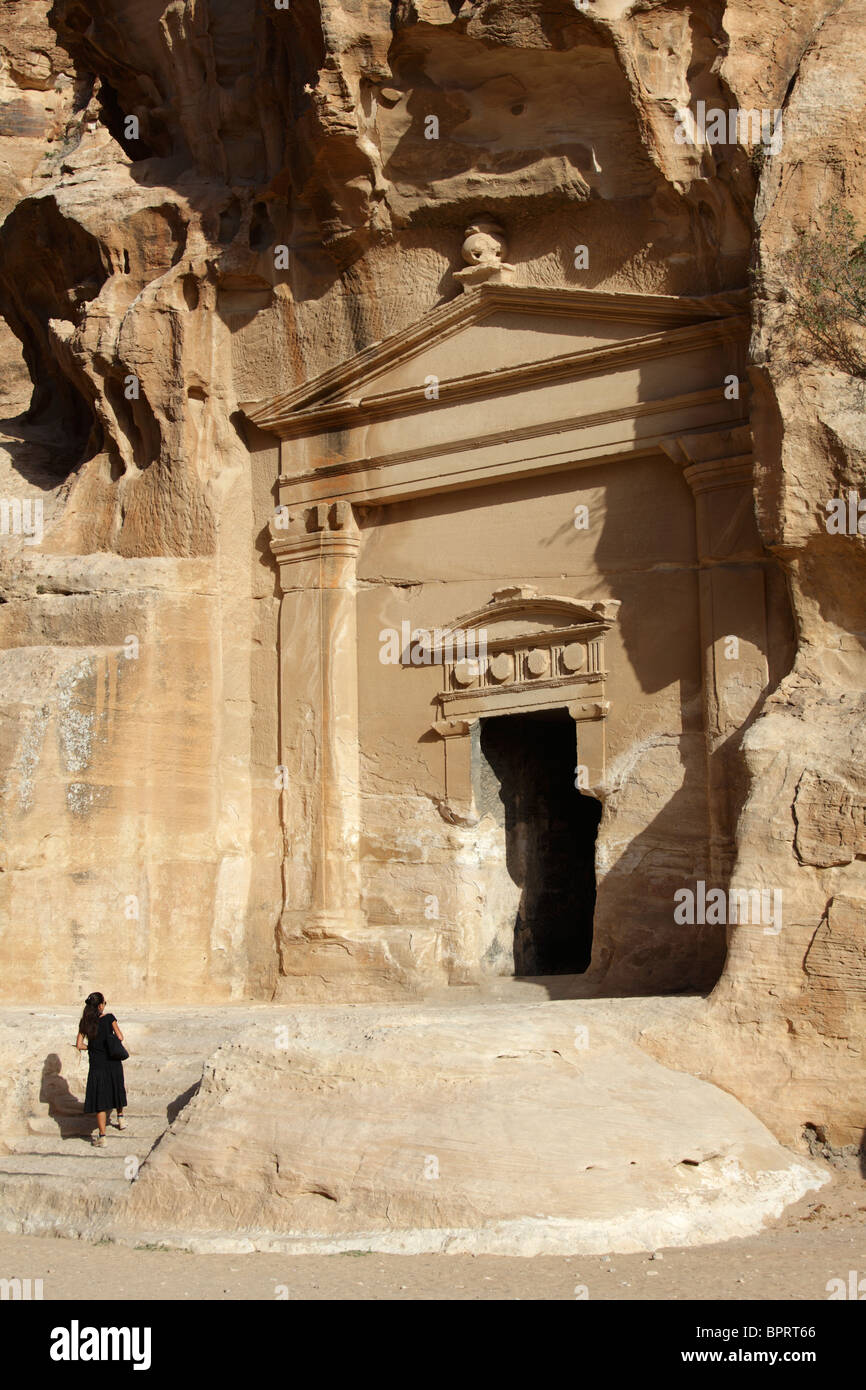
<point>490,333</point>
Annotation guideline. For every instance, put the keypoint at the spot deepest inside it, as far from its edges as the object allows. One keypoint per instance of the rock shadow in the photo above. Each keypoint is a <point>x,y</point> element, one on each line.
<point>174,1108</point>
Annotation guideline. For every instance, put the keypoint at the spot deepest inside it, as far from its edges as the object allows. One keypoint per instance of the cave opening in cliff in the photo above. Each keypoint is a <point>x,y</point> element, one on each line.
<point>550,829</point>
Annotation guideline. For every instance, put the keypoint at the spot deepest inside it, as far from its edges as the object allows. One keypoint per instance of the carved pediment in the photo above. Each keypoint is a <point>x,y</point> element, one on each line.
<point>522,610</point>
<point>524,649</point>
<point>479,340</point>
<point>509,382</point>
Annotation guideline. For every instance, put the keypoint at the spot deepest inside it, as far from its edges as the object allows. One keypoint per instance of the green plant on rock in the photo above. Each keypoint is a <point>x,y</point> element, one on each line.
<point>828,289</point>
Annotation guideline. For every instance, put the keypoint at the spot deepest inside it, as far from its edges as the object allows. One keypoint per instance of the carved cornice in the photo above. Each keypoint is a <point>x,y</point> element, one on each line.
<point>570,366</point>
<point>372,463</point>
<point>475,306</point>
<point>476,695</point>
<point>525,601</point>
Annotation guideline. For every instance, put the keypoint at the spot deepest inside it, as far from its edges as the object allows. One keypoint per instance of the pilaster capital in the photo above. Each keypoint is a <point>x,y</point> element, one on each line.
<point>718,473</point>
<point>715,459</point>
<point>320,530</point>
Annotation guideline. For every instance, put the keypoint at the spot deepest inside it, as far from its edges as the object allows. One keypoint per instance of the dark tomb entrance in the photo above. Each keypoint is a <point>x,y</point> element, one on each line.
<point>550,832</point>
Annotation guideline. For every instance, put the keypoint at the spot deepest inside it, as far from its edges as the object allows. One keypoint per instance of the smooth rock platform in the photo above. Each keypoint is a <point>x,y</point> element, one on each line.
<point>516,1126</point>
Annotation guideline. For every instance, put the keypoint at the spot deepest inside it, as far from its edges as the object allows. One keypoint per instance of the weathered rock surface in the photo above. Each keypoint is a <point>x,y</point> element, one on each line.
<point>51,1178</point>
<point>498,1127</point>
<point>141,824</point>
<point>773,1033</point>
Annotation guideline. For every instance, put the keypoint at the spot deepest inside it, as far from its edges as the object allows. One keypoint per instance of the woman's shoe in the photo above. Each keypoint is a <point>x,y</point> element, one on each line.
<point>98,1141</point>
<point>121,1122</point>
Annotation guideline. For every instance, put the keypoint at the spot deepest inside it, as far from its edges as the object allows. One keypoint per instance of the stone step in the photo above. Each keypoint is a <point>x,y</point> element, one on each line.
<point>165,1079</point>
<point>74,1166</point>
<point>52,1179</point>
<point>150,1066</point>
<point>168,1090</point>
<point>148,1106</point>
<point>80,1123</point>
<point>172,1055</point>
<point>136,1140</point>
<point>22,1191</point>
<point>186,1068</point>
<point>162,1066</point>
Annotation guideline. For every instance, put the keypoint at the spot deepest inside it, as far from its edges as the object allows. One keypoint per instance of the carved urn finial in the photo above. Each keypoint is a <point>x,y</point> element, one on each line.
<point>483,251</point>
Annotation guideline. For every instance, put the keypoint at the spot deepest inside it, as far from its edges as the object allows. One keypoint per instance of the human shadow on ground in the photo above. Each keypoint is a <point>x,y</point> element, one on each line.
<point>64,1108</point>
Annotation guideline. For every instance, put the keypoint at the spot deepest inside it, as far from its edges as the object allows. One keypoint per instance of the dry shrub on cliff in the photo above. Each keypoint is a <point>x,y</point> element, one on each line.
<point>828,287</point>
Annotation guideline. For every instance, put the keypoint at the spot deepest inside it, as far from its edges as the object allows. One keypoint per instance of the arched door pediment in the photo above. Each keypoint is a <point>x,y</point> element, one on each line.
<point>521,651</point>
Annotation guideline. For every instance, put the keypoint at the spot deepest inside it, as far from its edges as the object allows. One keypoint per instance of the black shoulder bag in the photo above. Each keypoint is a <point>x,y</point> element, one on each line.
<point>114,1047</point>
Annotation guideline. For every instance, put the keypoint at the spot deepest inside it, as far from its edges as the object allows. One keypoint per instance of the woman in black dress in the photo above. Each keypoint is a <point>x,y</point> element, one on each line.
<point>105,1088</point>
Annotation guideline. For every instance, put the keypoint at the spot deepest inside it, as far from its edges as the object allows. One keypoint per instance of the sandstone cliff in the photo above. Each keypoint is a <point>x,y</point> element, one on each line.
<point>140,274</point>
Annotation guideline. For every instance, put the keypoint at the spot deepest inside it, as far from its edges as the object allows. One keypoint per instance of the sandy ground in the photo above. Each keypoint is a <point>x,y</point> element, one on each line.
<point>823,1237</point>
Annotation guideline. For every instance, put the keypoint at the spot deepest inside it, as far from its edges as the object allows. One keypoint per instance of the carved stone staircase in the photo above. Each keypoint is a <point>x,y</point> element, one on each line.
<point>52,1179</point>
<point>565,1137</point>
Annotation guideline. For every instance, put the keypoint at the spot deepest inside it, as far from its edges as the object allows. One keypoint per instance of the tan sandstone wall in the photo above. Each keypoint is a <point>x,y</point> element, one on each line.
<point>640,550</point>
<point>306,128</point>
<point>786,1025</point>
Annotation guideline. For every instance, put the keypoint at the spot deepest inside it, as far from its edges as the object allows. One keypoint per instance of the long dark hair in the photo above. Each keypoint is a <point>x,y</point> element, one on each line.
<point>89,1025</point>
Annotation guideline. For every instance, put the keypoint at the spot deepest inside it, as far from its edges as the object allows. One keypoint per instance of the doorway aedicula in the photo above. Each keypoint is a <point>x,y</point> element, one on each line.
<point>528,785</point>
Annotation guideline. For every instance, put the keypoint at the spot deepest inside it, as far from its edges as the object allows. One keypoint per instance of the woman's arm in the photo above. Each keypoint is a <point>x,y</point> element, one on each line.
<point>116,1026</point>
<point>81,1042</point>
